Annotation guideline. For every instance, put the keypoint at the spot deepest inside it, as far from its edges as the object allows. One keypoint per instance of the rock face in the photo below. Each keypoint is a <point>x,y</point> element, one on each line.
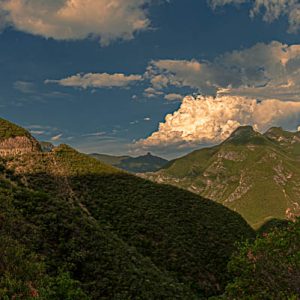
<point>18,145</point>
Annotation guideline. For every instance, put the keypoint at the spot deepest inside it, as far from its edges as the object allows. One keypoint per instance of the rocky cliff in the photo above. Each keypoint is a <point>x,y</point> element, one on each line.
<point>14,140</point>
<point>18,145</point>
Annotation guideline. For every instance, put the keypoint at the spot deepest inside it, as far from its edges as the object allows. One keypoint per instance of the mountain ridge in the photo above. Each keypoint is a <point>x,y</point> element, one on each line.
<point>140,164</point>
<point>155,240</point>
<point>257,175</point>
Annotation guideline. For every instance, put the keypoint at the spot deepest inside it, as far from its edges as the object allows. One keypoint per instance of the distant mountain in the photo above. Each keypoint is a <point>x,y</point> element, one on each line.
<point>46,146</point>
<point>257,175</point>
<point>109,159</point>
<point>85,230</point>
<point>140,164</point>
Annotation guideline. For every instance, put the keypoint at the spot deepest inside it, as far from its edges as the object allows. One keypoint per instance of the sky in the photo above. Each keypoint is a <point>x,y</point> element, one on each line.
<point>165,76</point>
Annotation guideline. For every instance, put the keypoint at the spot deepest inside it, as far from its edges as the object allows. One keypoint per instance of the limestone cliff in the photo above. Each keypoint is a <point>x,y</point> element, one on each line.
<point>15,140</point>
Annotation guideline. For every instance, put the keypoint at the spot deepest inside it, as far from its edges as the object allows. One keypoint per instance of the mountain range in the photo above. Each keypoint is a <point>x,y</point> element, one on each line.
<point>75,227</point>
<point>140,164</point>
<point>257,175</point>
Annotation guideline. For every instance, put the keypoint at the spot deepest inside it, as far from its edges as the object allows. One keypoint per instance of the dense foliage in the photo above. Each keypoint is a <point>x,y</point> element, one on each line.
<point>73,228</point>
<point>67,239</point>
<point>269,268</point>
<point>10,130</point>
<point>183,235</point>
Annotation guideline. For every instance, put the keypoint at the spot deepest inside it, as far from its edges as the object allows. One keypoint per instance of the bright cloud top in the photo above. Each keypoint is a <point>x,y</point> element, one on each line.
<point>207,120</point>
<point>98,80</point>
<point>76,19</point>
<point>264,71</point>
<point>270,9</point>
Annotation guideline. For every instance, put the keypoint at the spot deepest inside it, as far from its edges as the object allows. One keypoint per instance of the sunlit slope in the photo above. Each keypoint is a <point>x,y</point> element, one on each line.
<point>256,175</point>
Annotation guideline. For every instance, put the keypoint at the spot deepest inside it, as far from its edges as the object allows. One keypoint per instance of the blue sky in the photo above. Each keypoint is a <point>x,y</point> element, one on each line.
<point>144,57</point>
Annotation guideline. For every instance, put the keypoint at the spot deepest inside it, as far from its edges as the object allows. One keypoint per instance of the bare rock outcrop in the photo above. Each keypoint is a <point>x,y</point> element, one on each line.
<point>18,145</point>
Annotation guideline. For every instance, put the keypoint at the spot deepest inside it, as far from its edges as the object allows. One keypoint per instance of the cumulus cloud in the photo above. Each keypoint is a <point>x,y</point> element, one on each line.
<point>173,97</point>
<point>271,10</point>
<point>106,20</point>
<point>97,80</point>
<point>264,71</point>
<point>208,120</point>
<point>151,92</point>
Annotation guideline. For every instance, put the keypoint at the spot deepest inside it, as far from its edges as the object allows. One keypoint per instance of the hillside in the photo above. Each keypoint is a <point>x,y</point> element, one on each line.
<point>14,140</point>
<point>269,268</point>
<point>257,175</point>
<point>109,159</point>
<point>117,235</point>
<point>140,164</point>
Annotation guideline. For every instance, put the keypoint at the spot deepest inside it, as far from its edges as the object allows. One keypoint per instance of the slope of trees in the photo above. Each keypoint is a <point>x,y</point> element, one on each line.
<point>269,268</point>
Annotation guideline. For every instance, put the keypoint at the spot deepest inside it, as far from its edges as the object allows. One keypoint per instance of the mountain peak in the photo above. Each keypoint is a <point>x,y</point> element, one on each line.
<point>279,135</point>
<point>244,135</point>
<point>15,140</point>
<point>248,129</point>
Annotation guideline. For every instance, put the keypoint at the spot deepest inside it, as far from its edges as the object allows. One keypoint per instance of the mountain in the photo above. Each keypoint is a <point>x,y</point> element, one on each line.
<point>76,226</point>
<point>109,159</point>
<point>46,146</point>
<point>140,164</point>
<point>15,140</point>
<point>257,175</point>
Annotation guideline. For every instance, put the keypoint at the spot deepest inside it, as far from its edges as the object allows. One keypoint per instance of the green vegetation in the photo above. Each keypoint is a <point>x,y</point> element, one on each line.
<point>60,250</point>
<point>101,232</point>
<point>10,130</point>
<point>269,268</point>
<point>140,164</point>
<point>256,175</point>
<point>73,228</point>
<point>185,236</point>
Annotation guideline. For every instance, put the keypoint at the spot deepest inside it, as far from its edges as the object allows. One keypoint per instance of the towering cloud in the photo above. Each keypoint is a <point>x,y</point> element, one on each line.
<point>207,120</point>
<point>76,19</point>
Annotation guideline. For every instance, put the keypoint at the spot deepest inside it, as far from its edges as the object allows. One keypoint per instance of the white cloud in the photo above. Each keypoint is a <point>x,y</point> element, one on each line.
<point>98,80</point>
<point>264,71</point>
<point>151,92</point>
<point>56,138</point>
<point>173,97</point>
<point>208,120</point>
<point>271,10</point>
<point>106,20</point>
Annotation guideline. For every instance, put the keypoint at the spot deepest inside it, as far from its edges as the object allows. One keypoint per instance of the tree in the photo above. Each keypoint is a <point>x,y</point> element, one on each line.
<point>269,268</point>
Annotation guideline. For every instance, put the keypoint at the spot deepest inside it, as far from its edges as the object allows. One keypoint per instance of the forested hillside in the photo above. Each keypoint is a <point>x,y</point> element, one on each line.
<point>100,233</point>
